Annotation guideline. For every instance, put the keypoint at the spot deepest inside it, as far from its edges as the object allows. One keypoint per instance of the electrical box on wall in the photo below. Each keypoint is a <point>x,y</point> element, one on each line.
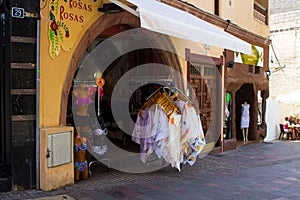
<point>56,157</point>
<point>59,150</point>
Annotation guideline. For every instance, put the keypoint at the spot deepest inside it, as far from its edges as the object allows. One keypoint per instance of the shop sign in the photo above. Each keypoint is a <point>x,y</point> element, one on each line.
<point>256,58</point>
<point>67,19</point>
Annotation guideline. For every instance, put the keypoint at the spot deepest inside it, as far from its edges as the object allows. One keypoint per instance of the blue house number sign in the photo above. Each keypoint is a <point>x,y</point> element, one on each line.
<point>17,12</point>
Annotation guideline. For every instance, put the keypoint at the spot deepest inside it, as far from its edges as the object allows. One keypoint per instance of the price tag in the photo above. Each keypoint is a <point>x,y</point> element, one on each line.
<point>17,12</point>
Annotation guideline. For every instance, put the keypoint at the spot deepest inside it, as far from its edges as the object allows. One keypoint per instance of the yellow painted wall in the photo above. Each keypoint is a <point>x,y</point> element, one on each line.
<point>181,45</point>
<point>195,47</point>
<point>239,12</point>
<point>59,176</point>
<point>72,19</point>
<point>206,5</point>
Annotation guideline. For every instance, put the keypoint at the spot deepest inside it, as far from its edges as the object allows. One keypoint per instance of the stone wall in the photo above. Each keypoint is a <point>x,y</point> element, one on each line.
<point>281,6</point>
<point>285,36</point>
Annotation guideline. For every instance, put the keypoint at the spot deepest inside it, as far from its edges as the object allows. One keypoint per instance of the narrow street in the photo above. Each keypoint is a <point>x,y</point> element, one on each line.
<point>256,171</point>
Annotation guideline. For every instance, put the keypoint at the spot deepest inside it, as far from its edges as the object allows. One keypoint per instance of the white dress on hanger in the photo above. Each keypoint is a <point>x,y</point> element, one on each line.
<point>174,146</point>
<point>142,133</point>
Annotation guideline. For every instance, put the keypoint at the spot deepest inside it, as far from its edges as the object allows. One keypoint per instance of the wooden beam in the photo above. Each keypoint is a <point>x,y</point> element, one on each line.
<point>17,118</point>
<point>23,39</point>
<point>22,65</point>
<point>22,91</point>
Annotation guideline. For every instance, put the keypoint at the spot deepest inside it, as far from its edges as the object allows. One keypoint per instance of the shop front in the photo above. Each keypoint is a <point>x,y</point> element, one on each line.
<point>87,49</point>
<point>246,84</point>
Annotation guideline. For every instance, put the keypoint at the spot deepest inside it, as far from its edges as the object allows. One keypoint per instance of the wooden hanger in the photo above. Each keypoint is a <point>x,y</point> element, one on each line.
<point>161,98</point>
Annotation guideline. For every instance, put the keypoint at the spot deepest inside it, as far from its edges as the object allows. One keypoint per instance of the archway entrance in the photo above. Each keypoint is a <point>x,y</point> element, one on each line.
<point>114,72</point>
<point>244,94</point>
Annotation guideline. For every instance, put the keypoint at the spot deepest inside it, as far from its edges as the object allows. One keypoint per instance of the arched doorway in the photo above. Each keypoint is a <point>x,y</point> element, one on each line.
<point>119,67</point>
<point>101,26</point>
<point>244,94</point>
<point>93,32</point>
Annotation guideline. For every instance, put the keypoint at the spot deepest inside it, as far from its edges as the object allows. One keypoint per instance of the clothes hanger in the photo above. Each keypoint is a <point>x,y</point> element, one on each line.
<point>161,98</point>
<point>167,104</point>
<point>151,99</point>
<point>177,94</point>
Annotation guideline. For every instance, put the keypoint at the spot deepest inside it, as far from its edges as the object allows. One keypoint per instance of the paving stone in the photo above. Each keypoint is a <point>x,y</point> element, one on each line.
<point>256,171</point>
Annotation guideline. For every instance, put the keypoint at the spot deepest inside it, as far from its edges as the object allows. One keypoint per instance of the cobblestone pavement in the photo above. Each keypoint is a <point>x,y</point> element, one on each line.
<point>256,171</point>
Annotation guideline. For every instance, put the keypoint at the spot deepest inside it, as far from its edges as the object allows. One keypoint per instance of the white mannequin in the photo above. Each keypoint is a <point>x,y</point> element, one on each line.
<point>245,134</point>
<point>245,119</point>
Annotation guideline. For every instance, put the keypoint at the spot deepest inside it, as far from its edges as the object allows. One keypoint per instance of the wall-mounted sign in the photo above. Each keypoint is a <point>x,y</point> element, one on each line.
<point>256,58</point>
<point>67,18</point>
<point>17,12</point>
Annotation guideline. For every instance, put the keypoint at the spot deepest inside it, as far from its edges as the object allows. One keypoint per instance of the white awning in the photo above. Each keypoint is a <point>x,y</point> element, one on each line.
<point>165,19</point>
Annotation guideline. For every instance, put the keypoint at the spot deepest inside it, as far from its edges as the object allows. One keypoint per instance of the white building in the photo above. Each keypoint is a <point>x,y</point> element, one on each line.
<point>284,62</point>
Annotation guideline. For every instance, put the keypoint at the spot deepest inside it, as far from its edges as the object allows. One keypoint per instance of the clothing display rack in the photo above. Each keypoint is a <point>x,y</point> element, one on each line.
<point>164,80</point>
<point>169,125</point>
<point>85,82</point>
<point>145,79</point>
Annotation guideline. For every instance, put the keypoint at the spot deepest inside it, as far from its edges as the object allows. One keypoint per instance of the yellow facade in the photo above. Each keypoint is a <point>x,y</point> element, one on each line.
<point>64,25</point>
<point>206,5</point>
<point>238,12</point>
<point>73,18</point>
<point>56,49</point>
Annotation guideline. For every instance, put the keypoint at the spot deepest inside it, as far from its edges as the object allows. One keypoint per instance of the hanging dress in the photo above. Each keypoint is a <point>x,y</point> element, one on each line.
<point>245,118</point>
<point>142,134</point>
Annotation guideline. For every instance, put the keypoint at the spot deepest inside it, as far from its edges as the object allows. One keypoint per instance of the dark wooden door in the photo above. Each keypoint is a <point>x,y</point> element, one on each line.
<point>202,79</point>
<point>205,79</point>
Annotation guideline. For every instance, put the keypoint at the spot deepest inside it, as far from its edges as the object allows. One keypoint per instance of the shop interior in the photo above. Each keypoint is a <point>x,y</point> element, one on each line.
<point>98,97</point>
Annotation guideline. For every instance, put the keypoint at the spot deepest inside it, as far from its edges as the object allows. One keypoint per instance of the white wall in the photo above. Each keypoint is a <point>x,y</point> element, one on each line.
<point>272,119</point>
<point>275,114</point>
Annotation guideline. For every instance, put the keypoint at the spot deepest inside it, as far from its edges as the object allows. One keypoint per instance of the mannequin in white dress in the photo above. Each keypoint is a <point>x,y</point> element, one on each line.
<point>245,119</point>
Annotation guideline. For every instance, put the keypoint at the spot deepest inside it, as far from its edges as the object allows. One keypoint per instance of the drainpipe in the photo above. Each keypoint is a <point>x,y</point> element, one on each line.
<point>37,134</point>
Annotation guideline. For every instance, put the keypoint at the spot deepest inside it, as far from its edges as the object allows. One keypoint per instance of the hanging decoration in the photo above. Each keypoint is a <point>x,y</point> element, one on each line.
<point>100,83</point>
